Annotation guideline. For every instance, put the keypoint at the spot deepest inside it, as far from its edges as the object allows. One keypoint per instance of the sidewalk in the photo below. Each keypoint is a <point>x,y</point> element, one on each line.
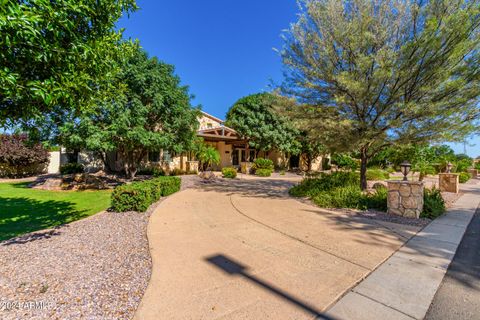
<point>404,286</point>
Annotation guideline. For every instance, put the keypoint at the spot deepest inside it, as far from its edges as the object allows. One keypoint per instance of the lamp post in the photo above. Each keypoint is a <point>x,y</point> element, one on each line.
<point>449,167</point>
<point>405,167</point>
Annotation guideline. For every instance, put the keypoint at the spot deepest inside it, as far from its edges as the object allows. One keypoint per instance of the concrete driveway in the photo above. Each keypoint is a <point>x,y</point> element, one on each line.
<point>243,249</point>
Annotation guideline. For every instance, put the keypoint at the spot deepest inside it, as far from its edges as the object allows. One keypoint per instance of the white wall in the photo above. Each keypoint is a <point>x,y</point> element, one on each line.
<point>54,165</point>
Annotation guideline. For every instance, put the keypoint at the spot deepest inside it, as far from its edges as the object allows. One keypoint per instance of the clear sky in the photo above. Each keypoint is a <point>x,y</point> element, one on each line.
<point>222,49</point>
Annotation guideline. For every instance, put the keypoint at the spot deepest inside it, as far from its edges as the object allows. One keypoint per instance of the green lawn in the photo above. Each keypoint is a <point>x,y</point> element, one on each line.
<point>24,210</point>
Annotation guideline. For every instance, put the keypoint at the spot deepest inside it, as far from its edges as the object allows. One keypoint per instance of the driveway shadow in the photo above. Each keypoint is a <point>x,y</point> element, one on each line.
<point>235,268</point>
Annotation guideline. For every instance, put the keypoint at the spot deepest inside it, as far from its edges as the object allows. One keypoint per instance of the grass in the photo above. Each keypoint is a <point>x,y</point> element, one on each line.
<point>24,210</point>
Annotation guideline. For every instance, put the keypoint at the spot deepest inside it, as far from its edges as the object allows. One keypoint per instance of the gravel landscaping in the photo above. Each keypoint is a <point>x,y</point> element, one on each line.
<point>95,268</point>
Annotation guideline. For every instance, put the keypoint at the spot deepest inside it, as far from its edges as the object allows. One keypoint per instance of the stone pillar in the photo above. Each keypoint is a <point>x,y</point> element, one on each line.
<point>473,172</point>
<point>405,198</point>
<point>449,182</point>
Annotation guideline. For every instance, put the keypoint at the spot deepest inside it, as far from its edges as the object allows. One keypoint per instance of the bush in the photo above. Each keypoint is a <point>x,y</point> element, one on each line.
<point>390,170</point>
<point>433,204</point>
<point>378,199</point>
<point>70,168</point>
<point>138,196</point>
<point>19,158</point>
<point>263,172</point>
<point>464,177</point>
<point>340,190</point>
<point>343,197</point>
<point>345,161</point>
<point>325,182</point>
<point>463,165</point>
<point>261,163</point>
<point>229,172</point>
<point>377,174</point>
<point>477,165</point>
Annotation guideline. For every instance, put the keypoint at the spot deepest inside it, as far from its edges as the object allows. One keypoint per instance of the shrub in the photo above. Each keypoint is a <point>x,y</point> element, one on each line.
<point>343,197</point>
<point>325,182</point>
<point>378,199</point>
<point>261,163</point>
<point>138,196</point>
<point>19,158</point>
<point>344,161</point>
<point>263,172</point>
<point>340,190</point>
<point>390,170</point>
<point>70,168</point>
<point>463,165</point>
<point>477,165</point>
<point>464,177</point>
<point>433,204</point>
<point>229,172</point>
<point>158,172</point>
<point>377,174</point>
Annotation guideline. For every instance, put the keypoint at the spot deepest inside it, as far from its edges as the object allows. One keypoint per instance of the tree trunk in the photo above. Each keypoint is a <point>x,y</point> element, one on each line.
<point>363,169</point>
<point>421,176</point>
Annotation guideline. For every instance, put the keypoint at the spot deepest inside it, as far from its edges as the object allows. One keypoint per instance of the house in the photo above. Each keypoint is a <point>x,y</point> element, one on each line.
<point>232,148</point>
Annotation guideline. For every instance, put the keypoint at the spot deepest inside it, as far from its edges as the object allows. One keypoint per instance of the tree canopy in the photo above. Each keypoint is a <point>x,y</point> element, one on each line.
<point>58,55</point>
<point>153,113</point>
<point>370,74</point>
<point>255,118</point>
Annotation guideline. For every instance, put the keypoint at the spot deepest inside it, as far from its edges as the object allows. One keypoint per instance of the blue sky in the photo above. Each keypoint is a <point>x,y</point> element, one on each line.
<point>222,49</point>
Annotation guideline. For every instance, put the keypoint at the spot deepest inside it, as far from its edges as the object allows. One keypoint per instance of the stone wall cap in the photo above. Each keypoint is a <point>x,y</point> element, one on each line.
<point>448,174</point>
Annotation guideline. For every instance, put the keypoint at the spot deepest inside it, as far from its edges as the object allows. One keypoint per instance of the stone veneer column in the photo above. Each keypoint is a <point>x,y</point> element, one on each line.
<point>449,182</point>
<point>405,198</point>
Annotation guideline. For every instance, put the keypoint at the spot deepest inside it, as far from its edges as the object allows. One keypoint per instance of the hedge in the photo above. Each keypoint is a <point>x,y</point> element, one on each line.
<point>138,196</point>
<point>229,172</point>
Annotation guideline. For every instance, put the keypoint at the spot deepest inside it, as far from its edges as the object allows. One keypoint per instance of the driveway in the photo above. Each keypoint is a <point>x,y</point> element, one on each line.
<point>243,249</point>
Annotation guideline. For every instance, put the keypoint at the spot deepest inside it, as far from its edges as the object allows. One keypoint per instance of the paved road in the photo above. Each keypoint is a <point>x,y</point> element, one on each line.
<point>243,249</point>
<point>459,293</point>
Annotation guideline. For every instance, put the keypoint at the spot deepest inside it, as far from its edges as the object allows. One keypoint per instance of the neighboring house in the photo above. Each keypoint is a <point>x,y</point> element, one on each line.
<point>232,148</point>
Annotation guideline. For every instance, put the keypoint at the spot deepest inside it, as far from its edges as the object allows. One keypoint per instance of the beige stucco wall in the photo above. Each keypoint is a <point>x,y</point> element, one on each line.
<point>225,151</point>
<point>204,121</point>
<point>54,164</point>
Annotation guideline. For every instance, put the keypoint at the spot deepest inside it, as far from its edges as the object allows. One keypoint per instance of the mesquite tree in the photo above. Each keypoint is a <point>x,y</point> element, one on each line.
<point>375,73</point>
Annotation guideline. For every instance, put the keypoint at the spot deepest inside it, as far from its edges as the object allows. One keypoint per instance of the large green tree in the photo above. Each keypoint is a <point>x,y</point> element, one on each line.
<point>377,73</point>
<point>57,55</point>
<point>255,118</point>
<point>153,113</point>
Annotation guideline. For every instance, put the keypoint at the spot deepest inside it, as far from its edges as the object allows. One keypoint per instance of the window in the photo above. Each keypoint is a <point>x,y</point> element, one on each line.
<point>209,125</point>
<point>166,156</point>
<point>153,156</point>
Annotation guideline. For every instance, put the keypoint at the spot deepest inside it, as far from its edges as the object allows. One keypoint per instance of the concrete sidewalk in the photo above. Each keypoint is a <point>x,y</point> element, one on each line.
<point>404,286</point>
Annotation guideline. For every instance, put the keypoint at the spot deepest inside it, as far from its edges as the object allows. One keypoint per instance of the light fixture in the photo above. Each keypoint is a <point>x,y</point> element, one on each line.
<point>405,167</point>
<point>449,167</point>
